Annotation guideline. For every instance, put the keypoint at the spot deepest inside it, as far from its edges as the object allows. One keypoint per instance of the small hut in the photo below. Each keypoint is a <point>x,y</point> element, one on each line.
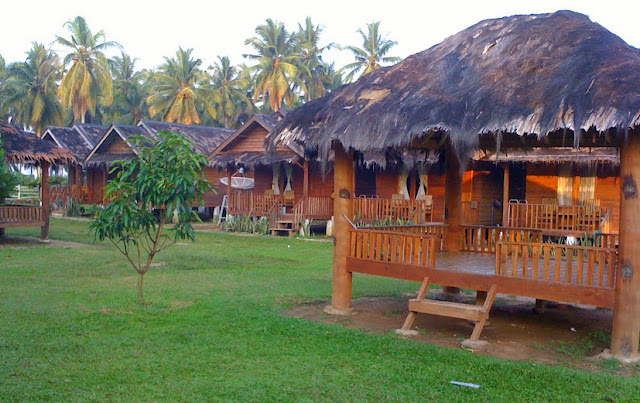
<point>515,83</point>
<point>26,148</point>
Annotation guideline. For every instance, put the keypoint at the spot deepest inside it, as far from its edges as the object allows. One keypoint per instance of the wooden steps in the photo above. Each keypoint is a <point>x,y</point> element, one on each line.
<point>475,313</point>
<point>284,226</point>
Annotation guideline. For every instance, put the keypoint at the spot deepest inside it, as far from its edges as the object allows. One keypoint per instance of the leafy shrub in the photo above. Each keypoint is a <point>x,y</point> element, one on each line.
<point>250,225</point>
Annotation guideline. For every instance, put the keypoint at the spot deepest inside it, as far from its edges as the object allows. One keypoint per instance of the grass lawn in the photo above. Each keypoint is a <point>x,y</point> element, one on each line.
<point>72,330</point>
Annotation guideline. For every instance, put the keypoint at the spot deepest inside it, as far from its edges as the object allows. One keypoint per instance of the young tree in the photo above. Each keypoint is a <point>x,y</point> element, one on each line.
<point>159,185</point>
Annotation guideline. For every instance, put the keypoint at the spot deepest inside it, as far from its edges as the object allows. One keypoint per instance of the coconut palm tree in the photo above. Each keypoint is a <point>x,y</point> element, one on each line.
<point>276,72</point>
<point>229,91</point>
<point>31,89</point>
<point>312,70</point>
<point>176,90</point>
<point>3,94</point>
<point>372,54</point>
<point>87,82</point>
<point>129,93</point>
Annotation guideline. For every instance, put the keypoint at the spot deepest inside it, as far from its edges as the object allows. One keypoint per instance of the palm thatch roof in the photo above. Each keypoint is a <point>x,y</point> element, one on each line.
<point>102,152</point>
<point>71,139</point>
<point>519,78</point>
<point>579,157</point>
<point>27,148</point>
<point>204,138</point>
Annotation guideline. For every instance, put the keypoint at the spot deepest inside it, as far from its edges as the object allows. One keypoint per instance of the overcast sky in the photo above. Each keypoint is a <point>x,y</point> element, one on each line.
<point>150,30</point>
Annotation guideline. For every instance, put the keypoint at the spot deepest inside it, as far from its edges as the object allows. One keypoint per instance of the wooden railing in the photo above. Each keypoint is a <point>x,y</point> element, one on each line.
<point>556,218</point>
<point>577,265</point>
<point>20,214</point>
<point>435,229</point>
<point>393,247</point>
<point>483,239</point>
<point>373,208</point>
<point>251,203</point>
<point>606,240</point>
<point>63,194</point>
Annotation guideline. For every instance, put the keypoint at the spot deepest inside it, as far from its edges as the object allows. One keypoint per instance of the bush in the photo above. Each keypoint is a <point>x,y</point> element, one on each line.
<point>250,225</point>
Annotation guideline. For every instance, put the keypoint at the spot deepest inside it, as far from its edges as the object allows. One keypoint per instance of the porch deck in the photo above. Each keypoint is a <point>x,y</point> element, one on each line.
<point>581,275</point>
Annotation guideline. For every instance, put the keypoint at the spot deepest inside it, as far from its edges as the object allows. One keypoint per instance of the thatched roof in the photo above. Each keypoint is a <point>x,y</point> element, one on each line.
<point>527,75</point>
<point>21,147</point>
<point>251,159</point>
<point>71,139</point>
<point>204,138</point>
<point>583,156</point>
<point>101,154</point>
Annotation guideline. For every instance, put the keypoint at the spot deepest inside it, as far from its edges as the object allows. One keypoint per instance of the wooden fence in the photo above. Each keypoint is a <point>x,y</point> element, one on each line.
<point>557,218</point>
<point>433,229</point>
<point>15,216</point>
<point>251,203</point>
<point>369,209</point>
<point>570,264</point>
<point>483,239</point>
<point>393,247</point>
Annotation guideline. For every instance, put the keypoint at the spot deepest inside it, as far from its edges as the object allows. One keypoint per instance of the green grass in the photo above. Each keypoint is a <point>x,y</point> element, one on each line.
<point>71,330</point>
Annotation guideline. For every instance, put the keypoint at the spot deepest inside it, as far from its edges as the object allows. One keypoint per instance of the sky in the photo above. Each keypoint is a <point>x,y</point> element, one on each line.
<point>150,30</point>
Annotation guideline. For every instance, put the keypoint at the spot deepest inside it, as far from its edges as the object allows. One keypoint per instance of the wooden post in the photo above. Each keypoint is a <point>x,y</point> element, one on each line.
<point>44,231</point>
<point>412,185</point>
<point>505,196</point>
<point>305,183</point>
<point>342,206</point>
<point>626,315</point>
<point>228,189</point>
<point>71,177</point>
<point>79,176</point>
<point>453,200</point>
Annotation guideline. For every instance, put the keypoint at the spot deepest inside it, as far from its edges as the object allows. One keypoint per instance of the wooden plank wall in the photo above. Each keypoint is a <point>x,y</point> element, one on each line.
<point>487,187</point>
<point>608,192</point>
<point>542,182</point>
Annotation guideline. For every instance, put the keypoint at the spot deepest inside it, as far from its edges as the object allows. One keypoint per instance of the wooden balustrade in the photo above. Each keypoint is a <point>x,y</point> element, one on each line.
<point>570,264</point>
<point>483,239</point>
<point>11,216</point>
<point>373,208</point>
<point>64,194</point>
<point>556,218</point>
<point>434,229</point>
<point>251,203</point>
<point>393,247</point>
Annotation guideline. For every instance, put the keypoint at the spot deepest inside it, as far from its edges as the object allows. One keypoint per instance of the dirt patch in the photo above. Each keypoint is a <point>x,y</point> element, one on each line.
<point>562,334</point>
<point>23,242</point>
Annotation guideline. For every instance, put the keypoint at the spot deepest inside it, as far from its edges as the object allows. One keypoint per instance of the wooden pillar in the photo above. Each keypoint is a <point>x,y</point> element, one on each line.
<point>343,186</point>
<point>79,176</point>
<point>305,183</point>
<point>505,196</point>
<point>576,190</point>
<point>412,185</point>
<point>228,187</point>
<point>44,232</point>
<point>71,177</point>
<point>626,315</point>
<point>453,200</point>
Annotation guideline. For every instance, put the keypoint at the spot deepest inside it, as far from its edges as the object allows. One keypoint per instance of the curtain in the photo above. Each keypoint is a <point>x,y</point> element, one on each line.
<point>402,183</point>
<point>275,184</point>
<point>423,181</point>
<point>288,170</point>
<point>565,185</point>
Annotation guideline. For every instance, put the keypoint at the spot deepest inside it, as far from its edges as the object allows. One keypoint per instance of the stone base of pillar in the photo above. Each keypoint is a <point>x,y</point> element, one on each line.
<point>330,310</point>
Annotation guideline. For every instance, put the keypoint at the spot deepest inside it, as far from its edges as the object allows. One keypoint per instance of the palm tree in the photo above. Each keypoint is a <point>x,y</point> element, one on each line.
<point>176,90</point>
<point>3,94</point>
<point>87,83</point>
<point>313,71</point>
<point>276,71</point>
<point>129,93</point>
<point>31,89</point>
<point>373,51</point>
<point>229,91</point>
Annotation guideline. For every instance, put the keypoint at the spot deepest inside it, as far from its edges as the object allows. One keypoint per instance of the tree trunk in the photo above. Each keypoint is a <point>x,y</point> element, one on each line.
<point>140,281</point>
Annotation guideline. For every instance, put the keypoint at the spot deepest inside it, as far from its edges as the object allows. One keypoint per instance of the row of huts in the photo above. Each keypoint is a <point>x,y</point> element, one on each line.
<point>502,140</point>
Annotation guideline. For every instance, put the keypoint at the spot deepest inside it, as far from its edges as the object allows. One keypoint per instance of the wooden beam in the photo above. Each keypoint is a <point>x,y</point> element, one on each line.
<point>560,292</point>
<point>626,316</point>
<point>343,185</point>
<point>228,187</point>
<point>305,183</point>
<point>46,191</point>
<point>505,196</point>
<point>453,200</point>
<point>412,184</point>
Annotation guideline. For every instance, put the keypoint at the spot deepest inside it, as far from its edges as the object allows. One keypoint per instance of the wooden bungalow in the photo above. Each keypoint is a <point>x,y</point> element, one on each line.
<point>517,83</point>
<point>116,145</point>
<point>286,187</point>
<point>79,140</point>
<point>26,148</point>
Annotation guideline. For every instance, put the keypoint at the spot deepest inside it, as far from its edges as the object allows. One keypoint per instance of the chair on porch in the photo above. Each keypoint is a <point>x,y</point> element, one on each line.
<point>289,198</point>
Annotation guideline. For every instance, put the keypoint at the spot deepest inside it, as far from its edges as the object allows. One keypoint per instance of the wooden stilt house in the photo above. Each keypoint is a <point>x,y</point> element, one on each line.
<point>517,83</point>
<point>286,187</point>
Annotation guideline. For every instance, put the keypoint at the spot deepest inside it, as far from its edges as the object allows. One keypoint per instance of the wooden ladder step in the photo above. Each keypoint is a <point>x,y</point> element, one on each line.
<point>475,313</point>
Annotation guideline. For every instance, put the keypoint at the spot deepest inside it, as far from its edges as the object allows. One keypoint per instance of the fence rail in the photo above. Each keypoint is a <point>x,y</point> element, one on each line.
<point>375,208</point>
<point>251,203</point>
<point>483,239</point>
<point>554,217</point>
<point>577,265</point>
<point>393,247</point>
<point>25,193</point>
